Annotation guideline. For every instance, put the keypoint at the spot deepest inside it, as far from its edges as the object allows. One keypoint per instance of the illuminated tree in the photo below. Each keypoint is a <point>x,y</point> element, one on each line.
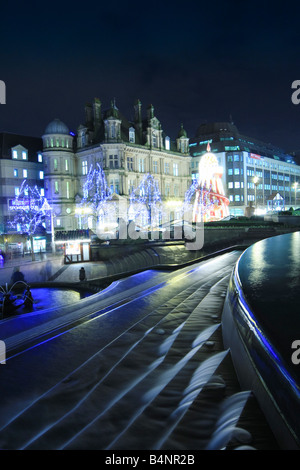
<point>145,202</point>
<point>30,210</point>
<point>96,193</point>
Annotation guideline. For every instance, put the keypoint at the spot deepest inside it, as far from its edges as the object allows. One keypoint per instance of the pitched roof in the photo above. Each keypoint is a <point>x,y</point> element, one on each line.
<point>9,140</point>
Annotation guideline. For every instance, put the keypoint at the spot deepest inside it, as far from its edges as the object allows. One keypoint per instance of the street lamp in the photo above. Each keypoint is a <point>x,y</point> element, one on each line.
<point>255,181</point>
<point>295,186</point>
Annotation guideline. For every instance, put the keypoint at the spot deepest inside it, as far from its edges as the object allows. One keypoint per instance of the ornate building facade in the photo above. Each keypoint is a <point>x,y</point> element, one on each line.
<point>125,150</point>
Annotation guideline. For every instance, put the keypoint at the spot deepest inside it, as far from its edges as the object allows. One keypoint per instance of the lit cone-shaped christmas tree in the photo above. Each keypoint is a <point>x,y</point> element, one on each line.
<point>210,200</point>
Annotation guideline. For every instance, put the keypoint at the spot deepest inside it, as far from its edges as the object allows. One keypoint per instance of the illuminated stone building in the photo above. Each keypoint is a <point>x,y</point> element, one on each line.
<point>126,150</point>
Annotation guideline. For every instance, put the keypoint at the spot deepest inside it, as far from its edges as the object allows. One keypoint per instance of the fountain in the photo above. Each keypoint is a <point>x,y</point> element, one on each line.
<point>14,297</point>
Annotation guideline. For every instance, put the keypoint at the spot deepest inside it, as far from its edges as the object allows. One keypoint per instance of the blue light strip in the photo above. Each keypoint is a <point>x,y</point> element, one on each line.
<point>258,332</point>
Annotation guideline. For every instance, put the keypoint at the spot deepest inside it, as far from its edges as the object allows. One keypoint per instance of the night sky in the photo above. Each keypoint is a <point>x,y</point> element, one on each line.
<point>194,61</point>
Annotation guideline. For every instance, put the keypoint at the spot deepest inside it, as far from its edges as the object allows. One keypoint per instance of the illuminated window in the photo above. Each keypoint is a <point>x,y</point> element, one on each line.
<point>42,192</point>
<point>17,191</point>
<point>41,175</point>
<point>55,164</point>
<point>175,169</point>
<point>24,155</point>
<point>67,165</point>
<point>40,157</point>
<point>58,222</point>
<point>68,190</point>
<point>56,187</point>
<point>141,165</point>
<point>15,154</point>
<point>131,135</point>
<point>16,172</point>
<point>25,173</point>
<point>84,167</point>
<point>167,143</point>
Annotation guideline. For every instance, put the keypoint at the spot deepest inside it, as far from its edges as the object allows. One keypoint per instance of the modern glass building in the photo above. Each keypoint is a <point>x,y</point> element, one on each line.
<point>254,173</point>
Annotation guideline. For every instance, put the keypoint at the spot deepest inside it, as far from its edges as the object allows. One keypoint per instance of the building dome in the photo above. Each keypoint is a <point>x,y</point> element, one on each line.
<point>57,127</point>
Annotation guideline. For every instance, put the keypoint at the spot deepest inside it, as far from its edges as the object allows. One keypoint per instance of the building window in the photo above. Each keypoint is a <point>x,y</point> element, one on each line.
<point>141,165</point>
<point>41,175</point>
<point>56,187</point>
<point>24,155</point>
<point>167,168</point>
<point>167,143</point>
<point>17,191</point>
<point>154,139</point>
<point>67,165</point>
<point>58,222</point>
<point>15,154</point>
<point>55,164</point>
<point>130,186</point>
<point>230,171</point>
<point>84,167</point>
<point>176,190</point>
<point>16,172</point>
<point>130,163</point>
<point>132,135</point>
<point>25,173</point>
<point>114,186</point>
<point>155,166</point>
<point>236,171</point>
<point>167,189</point>
<point>175,169</point>
<point>113,162</point>
<point>40,158</point>
<point>42,192</point>
<point>230,185</point>
<point>68,189</point>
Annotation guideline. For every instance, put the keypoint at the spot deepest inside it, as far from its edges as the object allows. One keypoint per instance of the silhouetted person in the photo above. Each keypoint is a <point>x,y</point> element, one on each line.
<point>17,275</point>
<point>82,276</point>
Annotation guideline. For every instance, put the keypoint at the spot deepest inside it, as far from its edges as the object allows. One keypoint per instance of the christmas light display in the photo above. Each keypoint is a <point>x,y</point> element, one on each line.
<point>210,201</point>
<point>30,209</point>
<point>96,193</point>
<point>145,203</point>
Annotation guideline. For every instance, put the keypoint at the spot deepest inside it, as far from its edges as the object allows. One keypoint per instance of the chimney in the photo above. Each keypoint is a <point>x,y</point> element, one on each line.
<point>97,113</point>
<point>88,115</point>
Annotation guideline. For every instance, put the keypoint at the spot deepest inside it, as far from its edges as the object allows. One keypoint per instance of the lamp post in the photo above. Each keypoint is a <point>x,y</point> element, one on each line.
<point>295,186</point>
<point>255,181</point>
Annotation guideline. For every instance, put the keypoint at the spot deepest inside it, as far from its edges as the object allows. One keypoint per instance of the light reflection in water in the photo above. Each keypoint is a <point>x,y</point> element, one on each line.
<point>269,272</point>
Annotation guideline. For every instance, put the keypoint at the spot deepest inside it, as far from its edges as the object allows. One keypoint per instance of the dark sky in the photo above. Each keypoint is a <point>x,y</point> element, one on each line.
<point>194,61</point>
